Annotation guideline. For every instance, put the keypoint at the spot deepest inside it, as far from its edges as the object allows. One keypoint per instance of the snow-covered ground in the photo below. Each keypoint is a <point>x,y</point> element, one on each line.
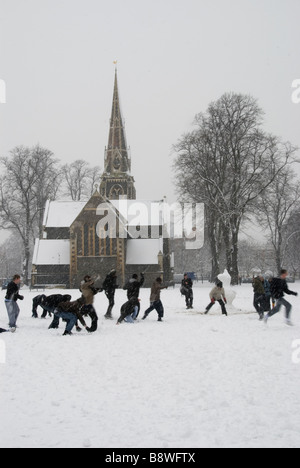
<point>192,381</point>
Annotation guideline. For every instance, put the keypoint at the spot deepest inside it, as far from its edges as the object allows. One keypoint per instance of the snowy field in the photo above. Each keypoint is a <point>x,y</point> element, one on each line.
<point>192,381</point>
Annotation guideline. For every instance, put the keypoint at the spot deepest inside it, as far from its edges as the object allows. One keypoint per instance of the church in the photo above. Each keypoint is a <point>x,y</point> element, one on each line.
<point>104,233</point>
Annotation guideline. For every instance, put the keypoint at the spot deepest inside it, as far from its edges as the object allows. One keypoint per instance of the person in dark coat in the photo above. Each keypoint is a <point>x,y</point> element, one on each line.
<point>259,296</point>
<point>11,298</point>
<point>110,286</point>
<point>187,291</point>
<point>268,294</point>
<point>70,312</point>
<point>48,304</point>
<point>128,311</point>
<point>279,288</point>
<point>133,288</point>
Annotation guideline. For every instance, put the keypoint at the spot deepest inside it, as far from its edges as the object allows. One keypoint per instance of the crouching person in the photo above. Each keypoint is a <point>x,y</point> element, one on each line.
<point>70,312</point>
<point>48,304</point>
<point>129,311</point>
<point>218,295</point>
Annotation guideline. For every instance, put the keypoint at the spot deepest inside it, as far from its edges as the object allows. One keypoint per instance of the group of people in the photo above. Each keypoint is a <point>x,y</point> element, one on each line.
<point>61,307</point>
<point>268,299</point>
<point>217,294</point>
<point>269,296</point>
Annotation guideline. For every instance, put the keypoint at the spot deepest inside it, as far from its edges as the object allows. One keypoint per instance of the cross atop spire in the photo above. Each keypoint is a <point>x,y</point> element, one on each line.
<point>117,158</point>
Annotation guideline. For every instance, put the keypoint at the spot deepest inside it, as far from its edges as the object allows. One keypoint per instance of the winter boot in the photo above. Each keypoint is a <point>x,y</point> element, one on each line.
<point>68,333</point>
<point>145,316</point>
<point>160,319</point>
<point>35,316</point>
<point>78,329</point>
<point>108,316</point>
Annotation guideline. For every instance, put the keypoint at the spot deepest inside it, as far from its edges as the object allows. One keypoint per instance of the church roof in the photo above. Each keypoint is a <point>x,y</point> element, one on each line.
<point>51,252</point>
<point>61,214</point>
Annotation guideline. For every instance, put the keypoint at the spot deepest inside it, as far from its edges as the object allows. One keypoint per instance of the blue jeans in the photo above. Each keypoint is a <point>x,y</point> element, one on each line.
<point>158,306</point>
<point>70,318</point>
<point>129,319</point>
<point>281,302</point>
<point>13,312</point>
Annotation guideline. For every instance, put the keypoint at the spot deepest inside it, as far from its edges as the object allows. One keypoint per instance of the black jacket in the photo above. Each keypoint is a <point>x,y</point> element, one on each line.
<point>12,293</point>
<point>54,300</point>
<point>72,308</point>
<point>279,288</point>
<point>110,284</point>
<point>133,287</point>
<point>187,283</point>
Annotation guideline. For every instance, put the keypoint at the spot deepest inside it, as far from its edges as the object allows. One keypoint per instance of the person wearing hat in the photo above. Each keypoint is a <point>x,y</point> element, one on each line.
<point>110,286</point>
<point>217,294</point>
<point>187,291</point>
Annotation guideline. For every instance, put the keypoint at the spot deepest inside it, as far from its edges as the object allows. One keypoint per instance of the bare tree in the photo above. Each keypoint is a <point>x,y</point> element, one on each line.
<point>11,256</point>
<point>292,242</point>
<point>274,209</point>
<point>30,178</point>
<point>224,163</point>
<point>80,179</point>
<point>255,257</point>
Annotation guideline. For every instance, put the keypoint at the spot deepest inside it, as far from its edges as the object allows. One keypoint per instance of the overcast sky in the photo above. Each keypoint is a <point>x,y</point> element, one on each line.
<point>174,57</point>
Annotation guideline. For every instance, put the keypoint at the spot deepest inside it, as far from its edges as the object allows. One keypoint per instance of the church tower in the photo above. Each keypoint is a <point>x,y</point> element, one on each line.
<point>116,180</point>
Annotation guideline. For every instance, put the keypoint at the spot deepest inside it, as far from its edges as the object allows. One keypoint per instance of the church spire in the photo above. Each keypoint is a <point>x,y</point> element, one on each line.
<point>117,158</point>
<point>116,181</point>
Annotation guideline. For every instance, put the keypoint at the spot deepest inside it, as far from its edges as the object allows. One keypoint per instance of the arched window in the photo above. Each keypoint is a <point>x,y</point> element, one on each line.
<point>116,192</point>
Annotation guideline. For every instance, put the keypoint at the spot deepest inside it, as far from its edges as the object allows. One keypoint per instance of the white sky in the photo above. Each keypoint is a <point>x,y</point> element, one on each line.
<point>175,56</point>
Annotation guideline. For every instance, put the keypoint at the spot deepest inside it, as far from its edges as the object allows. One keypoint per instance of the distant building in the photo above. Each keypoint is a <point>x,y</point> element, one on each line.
<point>75,241</point>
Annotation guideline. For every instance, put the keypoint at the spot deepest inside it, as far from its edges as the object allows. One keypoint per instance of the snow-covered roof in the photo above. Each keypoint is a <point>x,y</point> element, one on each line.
<point>61,214</point>
<point>51,252</point>
<point>143,251</point>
